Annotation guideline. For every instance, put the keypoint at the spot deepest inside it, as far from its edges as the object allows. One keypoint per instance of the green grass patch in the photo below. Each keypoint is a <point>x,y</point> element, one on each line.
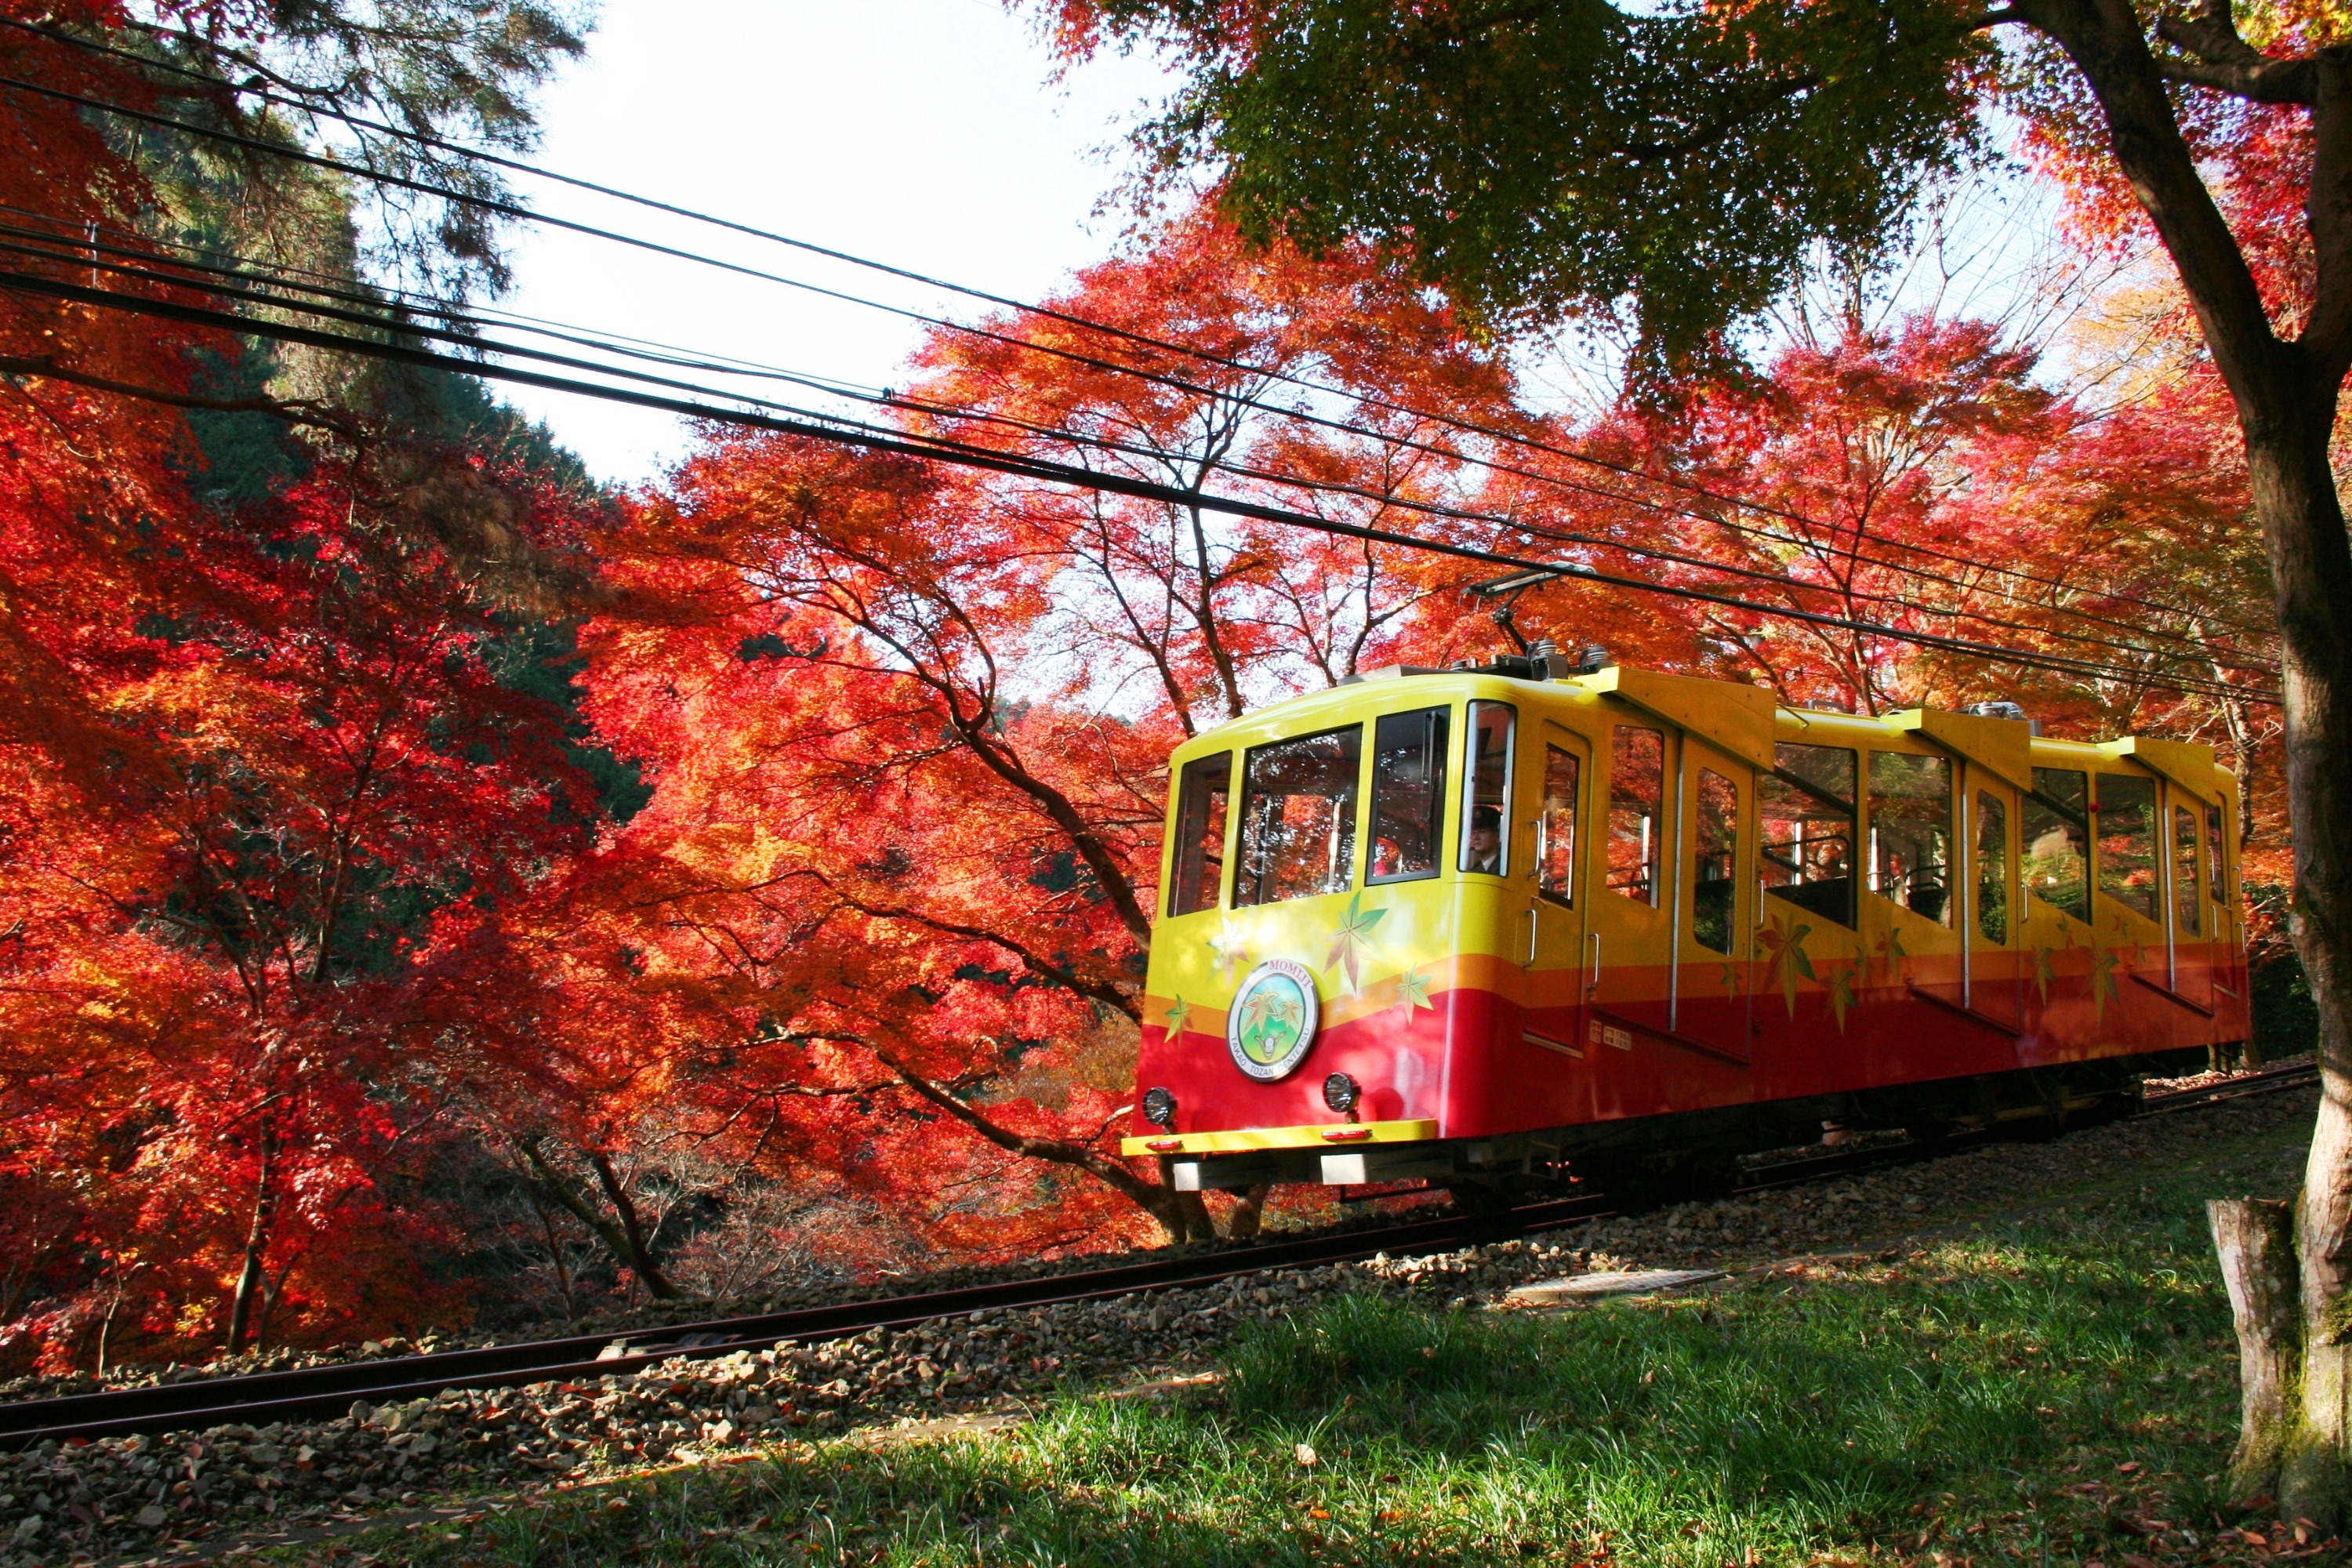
<point>2055,1391</point>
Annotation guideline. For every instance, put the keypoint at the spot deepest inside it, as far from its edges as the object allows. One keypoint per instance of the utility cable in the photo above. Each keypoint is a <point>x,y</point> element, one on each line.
<point>461,332</point>
<point>2193,648</point>
<point>987,459</point>
<point>1513,437</point>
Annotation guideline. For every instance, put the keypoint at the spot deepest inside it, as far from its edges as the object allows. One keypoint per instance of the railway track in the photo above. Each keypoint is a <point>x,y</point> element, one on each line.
<point>259,1398</point>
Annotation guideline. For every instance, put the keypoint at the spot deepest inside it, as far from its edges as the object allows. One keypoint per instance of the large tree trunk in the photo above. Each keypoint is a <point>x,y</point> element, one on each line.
<point>2288,1287</point>
<point>2286,394</point>
<point>2310,565</point>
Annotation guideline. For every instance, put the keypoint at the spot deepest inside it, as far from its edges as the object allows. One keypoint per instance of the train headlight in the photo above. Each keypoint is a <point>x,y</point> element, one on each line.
<point>1160,1107</point>
<point>1341,1092</point>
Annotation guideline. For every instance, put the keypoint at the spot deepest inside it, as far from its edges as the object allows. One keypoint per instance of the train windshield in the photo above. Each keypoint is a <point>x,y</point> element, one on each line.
<point>1200,865</point>
<point>1486,815</point>
<point>1407,794</point>
<point>1298,817</point>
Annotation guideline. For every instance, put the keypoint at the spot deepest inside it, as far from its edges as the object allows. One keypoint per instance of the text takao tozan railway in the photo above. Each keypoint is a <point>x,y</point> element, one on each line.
<point>1494,924</point>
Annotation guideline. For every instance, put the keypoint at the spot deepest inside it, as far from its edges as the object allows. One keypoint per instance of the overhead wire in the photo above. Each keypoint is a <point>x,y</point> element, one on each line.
<point>890,441</point>
<point>78,250</point>
<point>517,165</point>
<point>311,105</point>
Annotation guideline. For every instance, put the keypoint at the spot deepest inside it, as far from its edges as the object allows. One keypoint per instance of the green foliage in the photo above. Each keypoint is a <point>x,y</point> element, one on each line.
<point>2023,1395</point>
<point>1541,163</point>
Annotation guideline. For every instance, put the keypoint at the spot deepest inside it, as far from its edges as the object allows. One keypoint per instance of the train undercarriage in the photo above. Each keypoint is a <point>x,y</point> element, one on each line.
<point>1641,1162</point>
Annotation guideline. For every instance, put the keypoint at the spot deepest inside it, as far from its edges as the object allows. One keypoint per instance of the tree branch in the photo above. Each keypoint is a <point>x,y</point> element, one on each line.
<point>1111,1173</point>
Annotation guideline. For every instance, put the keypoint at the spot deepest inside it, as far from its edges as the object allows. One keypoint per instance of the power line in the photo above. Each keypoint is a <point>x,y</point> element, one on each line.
<point>2201,650</point>
<point>1516,438</point>
<point>80,251</point>
<point>1048,470</point>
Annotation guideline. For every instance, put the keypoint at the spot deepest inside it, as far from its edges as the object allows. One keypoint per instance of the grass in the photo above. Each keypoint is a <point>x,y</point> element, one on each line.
<point>2055,1391</point>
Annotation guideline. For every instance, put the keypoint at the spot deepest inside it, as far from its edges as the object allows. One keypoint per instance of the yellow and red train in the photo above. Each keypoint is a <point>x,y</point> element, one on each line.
<point>1525,918</point>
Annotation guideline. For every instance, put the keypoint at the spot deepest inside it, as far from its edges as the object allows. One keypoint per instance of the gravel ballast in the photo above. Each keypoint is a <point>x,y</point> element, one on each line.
<point>60,1504</point>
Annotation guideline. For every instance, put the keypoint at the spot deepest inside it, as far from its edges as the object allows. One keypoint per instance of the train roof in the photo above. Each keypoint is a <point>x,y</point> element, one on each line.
<point>1742,719</point>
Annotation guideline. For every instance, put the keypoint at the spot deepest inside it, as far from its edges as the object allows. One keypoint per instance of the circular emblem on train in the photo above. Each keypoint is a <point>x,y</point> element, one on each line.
<point>1273,1019</point>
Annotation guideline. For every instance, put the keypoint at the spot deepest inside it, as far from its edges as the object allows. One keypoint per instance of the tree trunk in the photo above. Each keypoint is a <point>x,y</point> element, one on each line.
<point>2255,1240</point>
<point>641,1251</point>
<point>2310,565</point>
<point>625,1241</point>
<point>1181,1214</point>
<point>1243,1222</point>
<point>2286,396</point>
<point>555,1253</point>
<point>256,1243</point>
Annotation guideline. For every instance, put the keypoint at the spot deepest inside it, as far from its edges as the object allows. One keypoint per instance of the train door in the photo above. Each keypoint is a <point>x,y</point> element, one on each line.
<point>2054,859</point>
<point>1911,936</point>
<point>2128,922</point>
<point>2222,906</point>
<point>1991,979</point>
<point>1714,917</point>
<point>1628,916</point>
<point>1555,780</point>
<point>2189,920</point>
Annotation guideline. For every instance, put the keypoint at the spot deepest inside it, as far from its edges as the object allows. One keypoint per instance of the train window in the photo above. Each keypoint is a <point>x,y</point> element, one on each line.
<point>1200,866</point>
<point>1298,817</point>
<point>1804,808</point>
<point>2187,906</point>
<point>1992,867</point>
<point>1911,832</point>
<point>1637,784</point>
<point>1486,821</point>
<point>2058,841</point>
<point>1556,847</point>
<point>2217,884</point>
<point>1407,794</point>
<point>1715,887</point>
<point>2128,825</point>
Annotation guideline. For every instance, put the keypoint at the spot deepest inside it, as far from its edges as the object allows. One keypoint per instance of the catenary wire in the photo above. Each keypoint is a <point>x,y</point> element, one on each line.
<point>310,105</point>
<point>78,251</point>
<point>1518,439</point>
<point>894,443</point>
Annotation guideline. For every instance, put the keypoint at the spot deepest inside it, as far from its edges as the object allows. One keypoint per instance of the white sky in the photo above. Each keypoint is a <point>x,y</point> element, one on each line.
<point>920,132</point>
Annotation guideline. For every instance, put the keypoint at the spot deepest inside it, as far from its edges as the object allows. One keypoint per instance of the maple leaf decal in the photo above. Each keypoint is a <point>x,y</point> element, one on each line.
<point>1731,978</point>
<point>1786,943</point>
<point>1841,996</point>
<point>2102,981</point>
<point>1178,1011</point>
<point>1352,943</point>
<point>2045,971</point>
<point>1412,991</point>
<point>1891,956</point>
<point>1229,948</point>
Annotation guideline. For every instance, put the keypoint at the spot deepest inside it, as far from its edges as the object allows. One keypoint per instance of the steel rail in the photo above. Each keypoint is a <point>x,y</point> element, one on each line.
<point>259,1398</point>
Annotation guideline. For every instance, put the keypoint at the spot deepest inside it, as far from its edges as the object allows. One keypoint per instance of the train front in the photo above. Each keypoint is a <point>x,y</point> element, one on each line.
<point>1315,966</point>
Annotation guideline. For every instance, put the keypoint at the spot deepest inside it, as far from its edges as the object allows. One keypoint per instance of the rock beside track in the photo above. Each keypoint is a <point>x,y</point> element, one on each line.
<point>59,1504</point>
